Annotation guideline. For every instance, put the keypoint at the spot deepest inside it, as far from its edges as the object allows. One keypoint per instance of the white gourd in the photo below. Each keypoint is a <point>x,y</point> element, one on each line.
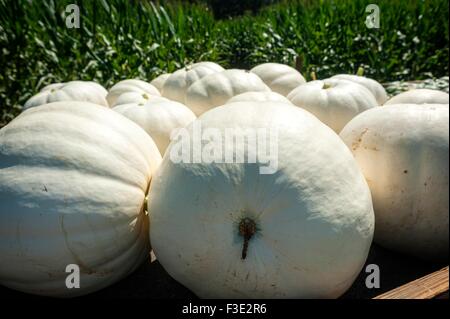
<point>403,151</point>
<point>177,83</point>
<point>158,82</point>
<point>130,85</point>
<point>83,91</point>
<point>51,86</point>
<point>137,98</point>
<point>158,118</point>
<point>216,89</point>
<point>308,226</point>
<point>373,86</point>
<point>279,78</point>
<point>73,182</point>
<point>334,102</point>
<point>259,97</point>
<point>420,96</point>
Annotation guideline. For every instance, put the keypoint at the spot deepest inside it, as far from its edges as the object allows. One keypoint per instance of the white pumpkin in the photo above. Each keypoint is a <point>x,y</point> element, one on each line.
<point>334,102</point>
<point>373,86</point>
<point>158,118</point>
<point>83,91</point>
<point>137,98</point>
<point>216,89</point>
<point>158,82</point>
<point>403,151</point>
<point>226,231</point>
<point>175,86</point>
<point>130,85</point>
<point>73,182</point>
<point>279,78</point>
<point>53,86</point>
<point>259,97</point>
<point>420,96</point>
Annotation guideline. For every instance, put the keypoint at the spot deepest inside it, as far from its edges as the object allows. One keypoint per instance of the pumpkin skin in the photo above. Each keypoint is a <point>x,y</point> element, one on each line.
<point>420,96</point>
<point>158,82</point>
<point>137,98</point>
<point>373,86</point>
<point>216,89</point>
<point>54,86</point>
<point>403,152</point>
<point>314,217</point>
<point>83,91</point>
<point>100,88</point>
<point>175,86</point>
<point>73,180</point>
<point>259,97</point>
<point>130,85</point>
<point>158,119</point>
<point>279,78</point>
<point>334,102</point>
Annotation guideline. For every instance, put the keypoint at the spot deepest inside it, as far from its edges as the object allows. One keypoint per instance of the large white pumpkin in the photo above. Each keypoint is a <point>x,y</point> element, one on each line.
<point>130,85</point>
<point>84,91</point>
<point>216,89</point>
<point>280,78</point>
<point>177,83</point>
<point>420,96</point>
<point>259,97</point>
<point>158,118</point>
<point>137,98</point>
<point>373,86</point>
<point>158,82</point>
<point>403,152</point>
<point>227,231</point>
<point>73,182</point>
<point>334,102</point>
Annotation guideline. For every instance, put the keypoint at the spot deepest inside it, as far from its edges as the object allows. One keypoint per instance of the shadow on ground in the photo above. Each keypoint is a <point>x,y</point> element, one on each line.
<point>150,281</point>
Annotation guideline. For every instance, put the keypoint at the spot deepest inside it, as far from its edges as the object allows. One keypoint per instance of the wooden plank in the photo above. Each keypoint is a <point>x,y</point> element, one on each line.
<point>434,285</point>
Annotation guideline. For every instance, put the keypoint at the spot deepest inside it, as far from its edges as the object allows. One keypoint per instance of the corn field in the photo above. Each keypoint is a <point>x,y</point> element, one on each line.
<point>116,40</point>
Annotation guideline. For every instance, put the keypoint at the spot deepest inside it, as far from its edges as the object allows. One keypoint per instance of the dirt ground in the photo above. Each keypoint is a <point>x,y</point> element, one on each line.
<point>152,282</point>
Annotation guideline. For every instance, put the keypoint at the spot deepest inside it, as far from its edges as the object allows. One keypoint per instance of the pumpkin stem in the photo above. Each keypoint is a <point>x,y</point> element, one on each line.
<point>326,86</point>
<point>247,228</point>
<point>360,71</point>
<point>313,76</point>
<point>146,204</point>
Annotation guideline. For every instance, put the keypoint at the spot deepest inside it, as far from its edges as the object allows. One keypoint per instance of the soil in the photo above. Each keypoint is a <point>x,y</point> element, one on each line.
<point>150,281</point>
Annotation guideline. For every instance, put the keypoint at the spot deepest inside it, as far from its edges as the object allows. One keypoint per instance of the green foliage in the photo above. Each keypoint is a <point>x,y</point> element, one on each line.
<point>117,40</point>
<point>230,8</point>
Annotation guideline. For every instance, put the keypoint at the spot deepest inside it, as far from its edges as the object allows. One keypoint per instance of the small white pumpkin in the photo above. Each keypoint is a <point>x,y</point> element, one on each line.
<point>420,96</point>
<point>100,88</point>
<point>158,118</point>
<point>216,89</point>
<point>175,86</point>
<point>137,98</point>
<point>259,97</point>
<point>403,151</point>
<point>83,91</point>
<point>225,231</point>
<point>73,182</point>
<point>55,86</point>
<point>373,86</point>
<point>130,85</point>
<point>334,102</point>
<point>279,78</point>
<point>158,82</point>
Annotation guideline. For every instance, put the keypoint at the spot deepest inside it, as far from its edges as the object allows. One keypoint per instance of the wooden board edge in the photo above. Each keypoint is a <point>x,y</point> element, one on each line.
<point>431,286</point>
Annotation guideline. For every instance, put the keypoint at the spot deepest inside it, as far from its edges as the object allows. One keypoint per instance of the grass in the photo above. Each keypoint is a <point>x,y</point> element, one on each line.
<point>117,40</point>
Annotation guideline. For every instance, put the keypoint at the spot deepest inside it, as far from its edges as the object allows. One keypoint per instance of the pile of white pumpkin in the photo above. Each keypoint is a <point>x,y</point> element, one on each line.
<point>84,180</point>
